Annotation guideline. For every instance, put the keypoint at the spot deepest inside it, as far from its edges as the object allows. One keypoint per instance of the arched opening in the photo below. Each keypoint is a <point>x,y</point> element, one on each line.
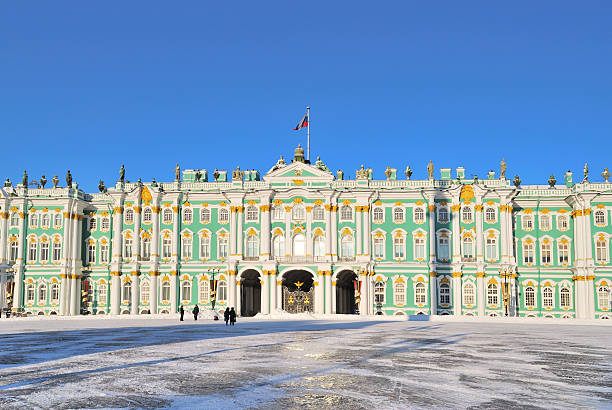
<point>298,292</point>
<point>250,293</point>
<point>346,281</point>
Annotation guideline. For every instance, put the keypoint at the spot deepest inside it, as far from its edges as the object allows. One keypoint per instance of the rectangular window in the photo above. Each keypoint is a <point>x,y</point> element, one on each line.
<point>491,250</point>
<point>44,252</point>
<point>91,254</point>
<point>398,248</point>
<point>57,251</point>
<point>104,253</point>
<point>379,248</point>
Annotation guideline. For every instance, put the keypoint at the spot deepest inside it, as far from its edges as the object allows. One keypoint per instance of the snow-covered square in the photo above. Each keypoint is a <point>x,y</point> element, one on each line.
<point>309,362</point>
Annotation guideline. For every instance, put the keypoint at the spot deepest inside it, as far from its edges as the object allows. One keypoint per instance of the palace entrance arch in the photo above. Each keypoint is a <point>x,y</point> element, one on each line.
<point>250,293</point>
<point>298,291</point>
<point>345,292</point>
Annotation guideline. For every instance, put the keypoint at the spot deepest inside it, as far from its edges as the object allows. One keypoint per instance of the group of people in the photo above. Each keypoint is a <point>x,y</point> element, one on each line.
<point>229,315</point>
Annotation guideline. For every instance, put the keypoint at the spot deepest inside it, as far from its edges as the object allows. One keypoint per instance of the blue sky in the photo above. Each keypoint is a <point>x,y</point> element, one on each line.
<point>88,87</point>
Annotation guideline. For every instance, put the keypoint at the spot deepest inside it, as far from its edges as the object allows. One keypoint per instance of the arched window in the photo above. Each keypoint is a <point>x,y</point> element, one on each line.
<point>55,292</point>
<point>600,217</point>
<point>466,214</point>
<point>222,253</point>
<point>127,247</point>
<point>44,252</point>
<point>547,297</point>
<point>14,252</point>
<point>491,249</point>
<point>399,293</point>
<point>419,248</point>
<point>145,248</point>
<point>419,215</point>
<point>528,252</point>
<point>562,222</point>
<point>104,225</point>
<point>145,291</point>
<point>468,248</point>
<point>15,219</point>
<point>469,294</point>
<point>565,298</point>
<point>204,247</point>
<point>527,222</point>
<point>379,292</point>
<point>347,246</point>
<point>319,246</point>
<point>443,247</point>
<point>33,220</point>
<point>167,216</point>
<point>45,220</point>
<point>603,297</point>
<point>399,247</point>
<point>299,245</point>
<point>30,293</point>
<point>57,220</point>
<point>251,213</point>
<point>278,213</point>
<point>223,216</point>
<point>278,246</point>
<point>490,215</point>
<point>545,222</point>
<point>444,294</point>
<point>398,214</point>
<point>187,216</point>
<point>379,247</point>
<point>186,291</point>
<point>126,292</point>
<point>187,247</point>
<point>563,252</point>
<point>318,214</point>
<point>205,215</point>
<point>222,291</point>
<point>346,213</point>
<point>103,252</point>
<point>420,294</point>
<point>129,216</point>
<point>601,250</point>
<point>443,214</point>
<point>91,253</point>
<point>298,213</point>
<point>57,251</point>
<point>546,251</point>
<point>378,214</point>
<point>42,293</point>
<point>204,290</point>
<point>530,296</point>
<point>165,291</point>
<point>32,251</point>
<point>252,246</point>
<point>492,294</point>
<point>147,215</point>
<point>166,247</point>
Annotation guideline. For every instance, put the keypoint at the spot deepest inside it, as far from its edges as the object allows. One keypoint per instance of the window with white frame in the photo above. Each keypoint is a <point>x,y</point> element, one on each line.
<point>278,246</point>
<point>398,247</point>
<point>466,214</point>
<point>467,246</point>
<point>30,293</point>
<point>223,216</point>
<point>252,246</point>
<point>603,297</point>
<point>378,215</point>
<point>45,221</point>
<point>443,214</point>
<point>32,251</point>
<point>491,249</point>
<point>204,247</point>
<point>318,213</point>
<point>298,213</point>
<point>204,215</point>
<point>563,249</point>
<point>14,252</point>
<point>445,294</point>
<point>187,247</point>
<point>167,216</point>
<point>57,220</point>
<point>319,246</point>
<point>398,214</point>
<point>527,221</point>
<point>528,252</point>
<point>443,247</point>
<point>490,214</point>
<point>33,220</point>
<point>104,253</point>
<point>548,299</point>
<point>565,298</point>
<point>222,291</point>
<point>14,221</point>
<point>530,300</point>
<point>186,291</point>
<point>545,222</point>
<point>492,294</point>
<point>55,292</point>
<point>92,224</point>
<point>42,293</point>
<point>278,213</point>
<point>145,248</point>
<point>420,294</point>
<point>299,245</point>
<point>129,216</point>
<point>546,252</point>
<point>105,224</point>
<point>187,216</point>
<point>166,248</point>
<point>147,215</point>
<point>165,291</point>
<point>57,250</point>
<point>145,292</point>
<point>44,251</point>
<point>102,294</point>
<point>91,253</point>
<point>346,213</point>
<point>252,213</point>
<point>223,251</point>
<point>601,250</point>
<point>399,293</point>
<point>379,247</point>
<point>419,215</point>
<point>379,292</point>
<point>126,292</point>
<point>600,217</point>
<point>469,294</point>
<point>562,222</point>
<point>127,247</point>
<point>347,246</point>
<point>419,248</point>
<point>204,290</point>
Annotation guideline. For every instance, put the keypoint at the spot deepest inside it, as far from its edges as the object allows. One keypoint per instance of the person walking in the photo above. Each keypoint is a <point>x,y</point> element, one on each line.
<point>195,311</point>
<point>232,315</point>
<point>226,315</point>
<point>182,312</point>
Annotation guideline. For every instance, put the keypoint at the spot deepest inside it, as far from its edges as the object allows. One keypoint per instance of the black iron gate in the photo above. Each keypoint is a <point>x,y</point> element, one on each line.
<point>298,301</point>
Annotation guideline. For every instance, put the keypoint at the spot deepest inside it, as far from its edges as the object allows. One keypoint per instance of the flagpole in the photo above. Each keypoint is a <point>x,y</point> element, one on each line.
<point>308,140</point>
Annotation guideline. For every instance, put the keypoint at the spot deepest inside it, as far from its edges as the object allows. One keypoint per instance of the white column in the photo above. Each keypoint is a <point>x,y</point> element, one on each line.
<point>481,298</point>
<point>232,232</point>
<point>232,289</point>
<point>154,285</point>
<point>432,232</point>
<point>115,293</point>
<point>173,292</point>
<point>334,233</point>
<point>265,293</point>
<point>479,236</point>
<point>433,285</point>
<point>136,243</point>
<point>265,231</point>
<point>135,292</point>
<point>504,238</point>
<point>176,235</point>
<point>273,291</point>
<point>240,233</point>
<point>363,305</point>
<point>359,232</point>
<point>333,296</point>
<point>309,238</point>
<point>319,283</point>
<point>328,292</point>
<point>279,293</point>
<point>328,231</point>
<point>456,234</point>
<point>238,297</point>
<point>366,231</point>
<point>4,237</point>
<point>18,291</point>
<point>288,241</point>
<point>74,295</point>
<point>117,251</point>
<point>457,290</point>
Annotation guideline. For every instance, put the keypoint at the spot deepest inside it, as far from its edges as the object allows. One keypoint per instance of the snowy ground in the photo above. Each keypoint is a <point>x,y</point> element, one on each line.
<point>308,363</point>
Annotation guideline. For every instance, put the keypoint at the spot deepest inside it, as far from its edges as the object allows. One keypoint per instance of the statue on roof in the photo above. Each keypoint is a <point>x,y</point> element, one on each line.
<point>586,173</point>
<point>122,174</point>
<point>279,164</point>
<point>69,179</point>
<point>198,175</point>
<point>606,175</point>
<point>503,167</point>
<point>101,186</point>
<point>430,169</point>
<point>408,172</point>
<point>216,174</point>
<point>8,183</point>
<point>319,164</point>
<point>237,175</point>
<point>361,173</point>
<point>177,173</point>
<point>24,180</point>
<point>43,181</point>
<point>55,181</point>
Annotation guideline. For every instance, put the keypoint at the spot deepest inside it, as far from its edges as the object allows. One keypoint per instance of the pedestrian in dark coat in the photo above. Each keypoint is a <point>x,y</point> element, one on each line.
<point>226,315</point>
<point>196,310</point>
<point>182,312</point>
<point>232,315</point>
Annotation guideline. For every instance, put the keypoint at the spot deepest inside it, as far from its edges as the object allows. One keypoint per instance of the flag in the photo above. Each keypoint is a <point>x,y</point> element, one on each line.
<point>302,123</point>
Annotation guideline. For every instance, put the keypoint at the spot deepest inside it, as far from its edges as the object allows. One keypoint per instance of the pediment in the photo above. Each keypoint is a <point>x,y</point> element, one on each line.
<point>298,170</point>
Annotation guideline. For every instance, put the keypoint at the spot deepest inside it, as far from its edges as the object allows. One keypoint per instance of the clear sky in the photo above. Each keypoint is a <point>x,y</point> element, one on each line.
<point>88,87</point>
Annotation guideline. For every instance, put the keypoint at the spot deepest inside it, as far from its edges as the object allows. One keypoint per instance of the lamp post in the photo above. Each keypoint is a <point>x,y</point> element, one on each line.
<point>213,287</point>
<point>505,275</point>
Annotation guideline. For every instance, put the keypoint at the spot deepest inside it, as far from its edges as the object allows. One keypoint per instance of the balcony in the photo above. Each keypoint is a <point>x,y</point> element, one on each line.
<point>300,259</point>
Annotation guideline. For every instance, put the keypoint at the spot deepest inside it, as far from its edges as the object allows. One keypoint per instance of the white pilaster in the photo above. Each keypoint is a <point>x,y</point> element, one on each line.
<point>457,290</point>
<point>265,293</point>
<point>265,231</point>
<point>481,298</point>
<point>135,293</point>
<point>273,291</point>
<point>328,292</point>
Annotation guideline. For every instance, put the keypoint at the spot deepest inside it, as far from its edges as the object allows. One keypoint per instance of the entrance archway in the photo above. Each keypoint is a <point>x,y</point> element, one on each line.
<point>345,292</point>
<point>298,292</point>
<point>250,293</point>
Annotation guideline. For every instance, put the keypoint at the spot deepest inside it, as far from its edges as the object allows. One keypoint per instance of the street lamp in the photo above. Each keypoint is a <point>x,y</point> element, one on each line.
<point>505,274</point>
<point>213,287</point>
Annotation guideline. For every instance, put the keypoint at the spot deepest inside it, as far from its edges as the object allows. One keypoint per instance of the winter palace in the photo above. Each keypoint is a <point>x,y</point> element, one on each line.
<point>301,238</point>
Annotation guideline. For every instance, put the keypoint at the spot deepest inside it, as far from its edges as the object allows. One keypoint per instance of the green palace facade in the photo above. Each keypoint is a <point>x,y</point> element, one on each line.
<point>301,238</point>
